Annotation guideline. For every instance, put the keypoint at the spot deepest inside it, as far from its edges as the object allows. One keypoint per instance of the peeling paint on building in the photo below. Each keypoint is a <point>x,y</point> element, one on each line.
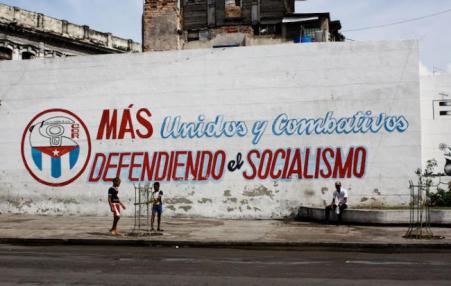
<point>232,200</point>
<point>204,201</point>
<point>259,191</point>
<point>170,207</point>
<point>309,193</point>
<point>185,208</point>
<point>177,200</point>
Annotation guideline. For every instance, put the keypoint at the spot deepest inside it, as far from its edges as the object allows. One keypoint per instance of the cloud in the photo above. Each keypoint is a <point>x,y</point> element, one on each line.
<point>123,18</point>
<point>424,71</point>
<point>75,4</point>
<point>435,45</point>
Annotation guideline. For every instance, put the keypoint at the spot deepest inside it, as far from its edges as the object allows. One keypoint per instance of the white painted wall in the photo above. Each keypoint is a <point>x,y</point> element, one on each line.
<point>436,130</point>
<point>242,84</point>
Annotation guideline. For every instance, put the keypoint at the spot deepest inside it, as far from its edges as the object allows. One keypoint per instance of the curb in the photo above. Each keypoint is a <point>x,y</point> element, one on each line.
<point>299,246</point>
<point>374,217</point>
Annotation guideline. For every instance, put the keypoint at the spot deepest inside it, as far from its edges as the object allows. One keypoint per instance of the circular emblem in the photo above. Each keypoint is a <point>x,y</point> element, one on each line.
<point>56,147</point>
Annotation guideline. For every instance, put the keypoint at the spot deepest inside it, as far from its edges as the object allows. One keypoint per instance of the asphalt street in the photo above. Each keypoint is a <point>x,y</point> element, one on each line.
<point>93,265</point>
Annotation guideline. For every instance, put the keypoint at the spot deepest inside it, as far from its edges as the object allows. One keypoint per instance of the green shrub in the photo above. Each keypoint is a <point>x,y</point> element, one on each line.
<point>441,198</point>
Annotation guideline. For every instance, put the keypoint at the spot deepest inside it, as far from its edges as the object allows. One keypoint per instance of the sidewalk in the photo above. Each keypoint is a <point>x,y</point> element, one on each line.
<point>185,232</point>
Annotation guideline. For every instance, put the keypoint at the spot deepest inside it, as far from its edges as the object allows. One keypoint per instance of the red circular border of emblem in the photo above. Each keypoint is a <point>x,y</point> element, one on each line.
<point>87,159</point>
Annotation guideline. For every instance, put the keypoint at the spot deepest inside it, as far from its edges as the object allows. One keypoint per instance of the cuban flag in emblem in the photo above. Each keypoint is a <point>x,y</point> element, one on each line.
<point>52,146</point>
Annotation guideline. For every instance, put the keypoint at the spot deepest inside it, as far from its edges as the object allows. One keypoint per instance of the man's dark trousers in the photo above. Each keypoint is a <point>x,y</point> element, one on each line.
<point>333,207</point>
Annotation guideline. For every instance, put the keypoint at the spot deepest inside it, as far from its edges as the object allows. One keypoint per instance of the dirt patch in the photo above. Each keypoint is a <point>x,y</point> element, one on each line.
<point>309,193</point>
<point>19,203</point>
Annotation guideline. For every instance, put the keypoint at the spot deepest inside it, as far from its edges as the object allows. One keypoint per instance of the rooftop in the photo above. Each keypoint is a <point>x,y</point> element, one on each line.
<point>15,17</point>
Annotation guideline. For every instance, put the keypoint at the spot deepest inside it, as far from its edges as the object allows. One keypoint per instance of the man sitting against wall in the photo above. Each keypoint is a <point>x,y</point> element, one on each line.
<point>339,202</point>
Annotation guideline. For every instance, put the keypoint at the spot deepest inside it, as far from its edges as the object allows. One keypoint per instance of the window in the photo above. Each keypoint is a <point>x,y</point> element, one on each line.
<point>5,54</point>
<point>27,56</point>
<point>232,8</point>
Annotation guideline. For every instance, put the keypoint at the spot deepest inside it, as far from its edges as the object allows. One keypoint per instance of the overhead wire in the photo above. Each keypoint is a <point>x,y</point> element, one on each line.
<point>398,22</point>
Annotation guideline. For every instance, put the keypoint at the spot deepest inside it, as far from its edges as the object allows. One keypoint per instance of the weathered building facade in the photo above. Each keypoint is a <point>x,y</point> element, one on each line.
<point>187,24</point>
<point>27,35</point>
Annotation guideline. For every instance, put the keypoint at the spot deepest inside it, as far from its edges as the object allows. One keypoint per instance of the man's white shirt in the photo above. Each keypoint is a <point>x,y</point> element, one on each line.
<point>340,196</point>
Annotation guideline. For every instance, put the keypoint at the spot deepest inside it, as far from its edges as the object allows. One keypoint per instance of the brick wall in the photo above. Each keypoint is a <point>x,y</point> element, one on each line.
<point>161,21</point>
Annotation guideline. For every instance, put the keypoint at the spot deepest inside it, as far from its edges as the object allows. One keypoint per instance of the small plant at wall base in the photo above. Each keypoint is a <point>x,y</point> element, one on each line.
<point>425,176</point>
<point>441,197</point>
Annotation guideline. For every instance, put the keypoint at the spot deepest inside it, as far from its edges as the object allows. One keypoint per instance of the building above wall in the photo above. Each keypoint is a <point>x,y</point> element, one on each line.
<point>191,24</point>
<point>26,35</point>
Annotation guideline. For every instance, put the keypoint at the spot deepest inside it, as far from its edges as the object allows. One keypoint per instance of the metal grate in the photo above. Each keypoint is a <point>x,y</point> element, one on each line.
<point>420,219</point>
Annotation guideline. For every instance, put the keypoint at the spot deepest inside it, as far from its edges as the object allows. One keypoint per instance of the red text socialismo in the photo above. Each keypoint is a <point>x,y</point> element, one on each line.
<point>279,164</point>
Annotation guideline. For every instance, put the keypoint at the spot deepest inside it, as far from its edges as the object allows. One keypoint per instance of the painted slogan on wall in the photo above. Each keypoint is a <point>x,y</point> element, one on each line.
<point>56,147</point>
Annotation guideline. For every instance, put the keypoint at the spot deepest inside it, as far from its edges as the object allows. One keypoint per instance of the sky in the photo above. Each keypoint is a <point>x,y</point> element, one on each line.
<point>123,19</point>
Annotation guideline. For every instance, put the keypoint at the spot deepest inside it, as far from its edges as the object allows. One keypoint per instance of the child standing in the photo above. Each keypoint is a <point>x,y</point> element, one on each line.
<point>157,205</point>
<point>115,204</point>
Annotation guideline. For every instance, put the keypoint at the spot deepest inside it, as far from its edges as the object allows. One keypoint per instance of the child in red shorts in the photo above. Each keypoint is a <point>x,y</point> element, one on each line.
<point>115,204</point>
